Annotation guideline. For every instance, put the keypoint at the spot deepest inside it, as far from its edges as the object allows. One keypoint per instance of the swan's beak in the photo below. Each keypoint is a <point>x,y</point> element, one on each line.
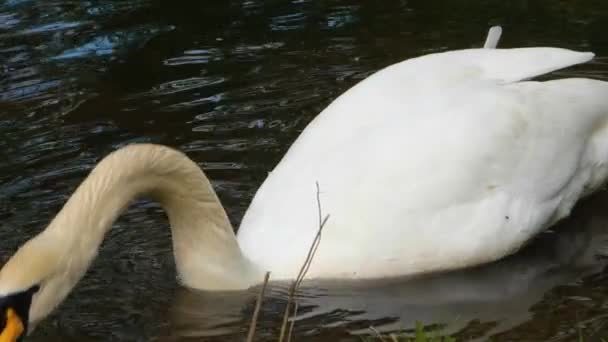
<point>14,314</point>
<point>13,328</point>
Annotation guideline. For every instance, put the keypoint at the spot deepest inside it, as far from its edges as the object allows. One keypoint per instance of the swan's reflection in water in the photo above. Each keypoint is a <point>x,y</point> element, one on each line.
<point>490,299</point>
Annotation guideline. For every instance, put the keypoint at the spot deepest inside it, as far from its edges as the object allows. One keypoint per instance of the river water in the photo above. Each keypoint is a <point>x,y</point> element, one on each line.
<point>232,83</point>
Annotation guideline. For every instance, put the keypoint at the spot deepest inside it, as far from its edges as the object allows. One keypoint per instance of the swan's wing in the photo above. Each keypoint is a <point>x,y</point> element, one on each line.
<point>502,65</point>
<point>410,88</point>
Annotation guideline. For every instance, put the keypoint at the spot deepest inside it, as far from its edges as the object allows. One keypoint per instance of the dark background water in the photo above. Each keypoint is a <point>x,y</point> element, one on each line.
<point>232,83</point>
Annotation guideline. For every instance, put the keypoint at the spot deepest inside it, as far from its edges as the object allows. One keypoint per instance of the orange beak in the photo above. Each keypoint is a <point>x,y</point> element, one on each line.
<point>13,329</point>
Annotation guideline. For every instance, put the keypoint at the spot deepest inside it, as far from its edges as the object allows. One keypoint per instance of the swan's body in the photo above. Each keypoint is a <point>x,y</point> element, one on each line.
<point>439,162</point>
<point>435,163</point>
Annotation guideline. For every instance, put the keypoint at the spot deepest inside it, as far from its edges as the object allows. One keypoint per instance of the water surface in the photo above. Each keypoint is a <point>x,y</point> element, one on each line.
<point>232,83</point>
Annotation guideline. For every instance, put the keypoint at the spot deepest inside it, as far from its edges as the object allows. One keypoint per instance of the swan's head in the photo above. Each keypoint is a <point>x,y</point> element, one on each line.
<point>15,311</point>
<point>31,286</point>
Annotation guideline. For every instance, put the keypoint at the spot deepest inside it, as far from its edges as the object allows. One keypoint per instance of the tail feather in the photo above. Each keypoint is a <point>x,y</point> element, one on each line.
<point>493,37</point>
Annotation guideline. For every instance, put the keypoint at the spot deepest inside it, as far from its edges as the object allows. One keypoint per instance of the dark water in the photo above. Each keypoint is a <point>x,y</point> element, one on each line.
<point>232,83</point>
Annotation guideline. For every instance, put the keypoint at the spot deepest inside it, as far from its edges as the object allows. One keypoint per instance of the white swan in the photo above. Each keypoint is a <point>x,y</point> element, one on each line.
<point>438,162</point>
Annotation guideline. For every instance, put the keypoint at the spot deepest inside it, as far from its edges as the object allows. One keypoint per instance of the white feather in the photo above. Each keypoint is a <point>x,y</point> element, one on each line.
<point>493,37</point>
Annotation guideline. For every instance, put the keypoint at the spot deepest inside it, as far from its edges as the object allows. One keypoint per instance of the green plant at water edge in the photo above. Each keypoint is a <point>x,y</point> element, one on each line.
<point>420,335</point>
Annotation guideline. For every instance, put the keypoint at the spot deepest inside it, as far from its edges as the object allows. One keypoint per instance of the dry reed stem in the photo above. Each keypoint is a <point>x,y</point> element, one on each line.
<point>303,270</point>
<point>258,306</point>
<point>378,334</point>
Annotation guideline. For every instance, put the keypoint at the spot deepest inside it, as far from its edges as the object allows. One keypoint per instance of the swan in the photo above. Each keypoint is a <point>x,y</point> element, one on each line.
<point>439,162</point>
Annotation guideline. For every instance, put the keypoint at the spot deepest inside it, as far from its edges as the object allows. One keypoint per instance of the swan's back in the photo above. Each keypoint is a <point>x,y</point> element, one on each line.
<point>438,162</point>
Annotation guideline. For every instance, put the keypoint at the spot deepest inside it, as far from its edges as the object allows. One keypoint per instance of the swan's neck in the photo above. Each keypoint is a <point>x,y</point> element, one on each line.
<point>207,254</point>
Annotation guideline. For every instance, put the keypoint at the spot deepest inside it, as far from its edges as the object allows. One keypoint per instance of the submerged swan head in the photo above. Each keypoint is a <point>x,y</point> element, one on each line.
<point>44,270</point>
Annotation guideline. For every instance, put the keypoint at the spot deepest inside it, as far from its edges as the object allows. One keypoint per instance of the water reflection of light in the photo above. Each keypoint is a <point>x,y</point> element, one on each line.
<point>8,20</point>
<point>197,102</point>
<point>196,56</point>
<point>58,26</point>
<point>292,21</point>
<point>106,45</point>
<point>28,89</point>
<point>16,2</point>
<point>176,86</point>
<point>341,16</point>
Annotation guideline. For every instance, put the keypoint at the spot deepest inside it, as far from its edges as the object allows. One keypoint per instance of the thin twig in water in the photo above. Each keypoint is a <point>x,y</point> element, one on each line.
<point>378,334</point>
<point>258,306</point>
<point>303,270</point>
